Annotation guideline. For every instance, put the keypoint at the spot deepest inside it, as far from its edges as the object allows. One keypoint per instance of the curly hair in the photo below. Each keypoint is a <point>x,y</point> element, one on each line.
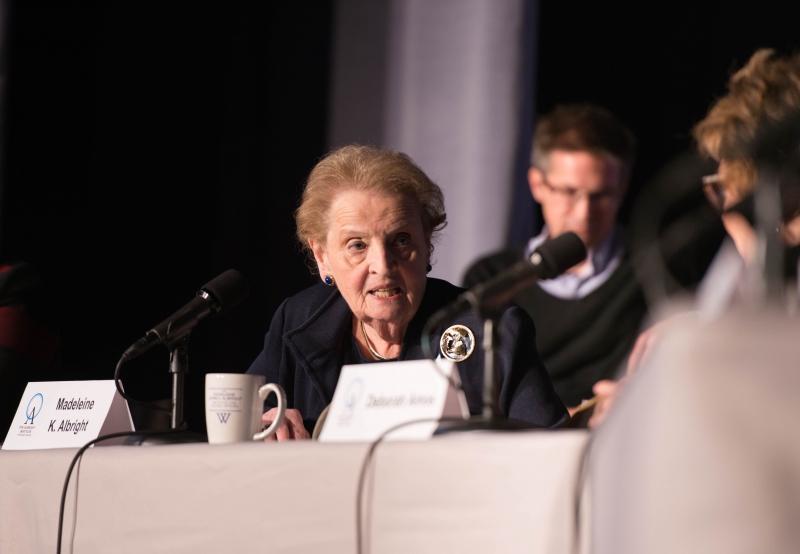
<point>365,168</point>
<point>764,91</point>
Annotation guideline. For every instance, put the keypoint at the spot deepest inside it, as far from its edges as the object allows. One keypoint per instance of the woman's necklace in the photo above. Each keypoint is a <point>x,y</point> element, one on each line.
<point>372,350</point>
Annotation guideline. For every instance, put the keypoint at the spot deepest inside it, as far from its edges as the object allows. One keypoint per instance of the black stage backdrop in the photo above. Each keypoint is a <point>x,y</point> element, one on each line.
<point>149,147</point>
<point>657,65</point>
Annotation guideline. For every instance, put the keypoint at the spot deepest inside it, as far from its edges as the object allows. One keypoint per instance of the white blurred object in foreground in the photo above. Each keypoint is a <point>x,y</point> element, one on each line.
<point>701,452</point>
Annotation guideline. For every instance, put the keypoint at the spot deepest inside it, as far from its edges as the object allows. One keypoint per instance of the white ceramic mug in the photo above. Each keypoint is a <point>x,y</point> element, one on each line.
<point>234,404</point>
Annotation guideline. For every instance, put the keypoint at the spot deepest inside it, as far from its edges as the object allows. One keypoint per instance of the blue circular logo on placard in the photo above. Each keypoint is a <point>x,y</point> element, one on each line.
<point>353,393</point>
<point>34,407</point>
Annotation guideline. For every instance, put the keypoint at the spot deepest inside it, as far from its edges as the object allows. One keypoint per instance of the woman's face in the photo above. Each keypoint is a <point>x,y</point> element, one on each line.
<point>377,251</point>
<point>737,227</point>
<point>730,184</point>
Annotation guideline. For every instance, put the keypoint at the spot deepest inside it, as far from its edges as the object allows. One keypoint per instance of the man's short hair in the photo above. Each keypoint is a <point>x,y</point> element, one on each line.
<point>583,128</point>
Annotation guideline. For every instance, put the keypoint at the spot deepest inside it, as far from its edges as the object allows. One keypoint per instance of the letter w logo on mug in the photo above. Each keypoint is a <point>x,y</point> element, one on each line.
<point>234,404</point>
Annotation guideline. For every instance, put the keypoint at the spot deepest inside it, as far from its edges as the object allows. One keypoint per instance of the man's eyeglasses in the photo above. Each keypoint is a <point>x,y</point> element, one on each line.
<point>715,191</point>
<point>571,196</point>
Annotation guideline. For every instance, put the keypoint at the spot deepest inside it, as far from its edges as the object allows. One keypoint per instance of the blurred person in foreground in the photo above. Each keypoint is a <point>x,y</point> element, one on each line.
<point>369,218</point>
<point>588,318</point>
<point>760,95</point>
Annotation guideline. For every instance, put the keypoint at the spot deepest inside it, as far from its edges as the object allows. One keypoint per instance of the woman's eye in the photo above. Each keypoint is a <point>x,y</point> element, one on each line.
<point>403,241</point>
<point>357,245</point>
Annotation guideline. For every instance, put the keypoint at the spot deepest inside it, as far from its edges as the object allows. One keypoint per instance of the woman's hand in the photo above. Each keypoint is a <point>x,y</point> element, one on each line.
<point>606,392</point>
<point>647,340</point>
<point>644,345</point>
<point>291,429</point>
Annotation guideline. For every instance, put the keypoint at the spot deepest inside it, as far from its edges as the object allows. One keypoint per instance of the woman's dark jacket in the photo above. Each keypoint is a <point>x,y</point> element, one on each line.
<point>310,339</point>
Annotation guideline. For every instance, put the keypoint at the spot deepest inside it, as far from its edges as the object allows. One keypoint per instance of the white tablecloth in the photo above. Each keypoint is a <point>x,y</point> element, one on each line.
<point>476,492</point>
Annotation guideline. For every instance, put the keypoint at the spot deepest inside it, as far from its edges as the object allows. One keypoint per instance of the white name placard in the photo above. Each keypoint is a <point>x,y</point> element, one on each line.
<point>67,414</point>
<point>372,398</point>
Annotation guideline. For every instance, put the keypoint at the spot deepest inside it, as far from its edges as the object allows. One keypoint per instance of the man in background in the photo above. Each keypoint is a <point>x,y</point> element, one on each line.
<point>587,319</point>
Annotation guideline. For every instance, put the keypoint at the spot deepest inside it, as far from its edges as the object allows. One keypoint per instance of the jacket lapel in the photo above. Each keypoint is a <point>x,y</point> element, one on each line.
<point>437,294</point>
<point>317,344</point>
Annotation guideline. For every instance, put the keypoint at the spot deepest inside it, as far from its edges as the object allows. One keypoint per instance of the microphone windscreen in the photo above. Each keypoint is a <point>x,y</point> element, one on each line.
<point>559,254</point>
<point>228,289</point>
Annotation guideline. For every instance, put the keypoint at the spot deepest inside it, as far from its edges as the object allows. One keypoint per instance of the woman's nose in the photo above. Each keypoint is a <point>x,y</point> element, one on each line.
<point>381,260</point>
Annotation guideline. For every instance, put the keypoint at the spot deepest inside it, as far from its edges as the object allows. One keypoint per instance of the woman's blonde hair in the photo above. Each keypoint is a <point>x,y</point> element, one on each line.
<point>764,91</point>
<point>364,168</point>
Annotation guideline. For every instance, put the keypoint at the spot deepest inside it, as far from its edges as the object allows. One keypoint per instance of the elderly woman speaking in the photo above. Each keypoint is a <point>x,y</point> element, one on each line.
<point>369,218</point>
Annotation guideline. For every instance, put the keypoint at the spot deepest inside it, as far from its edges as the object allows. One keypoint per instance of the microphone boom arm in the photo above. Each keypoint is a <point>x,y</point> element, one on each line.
<point>551,259</point>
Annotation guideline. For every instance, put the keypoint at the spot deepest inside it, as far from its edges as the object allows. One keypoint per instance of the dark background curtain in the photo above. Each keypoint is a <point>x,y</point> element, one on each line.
<point>149,147</point>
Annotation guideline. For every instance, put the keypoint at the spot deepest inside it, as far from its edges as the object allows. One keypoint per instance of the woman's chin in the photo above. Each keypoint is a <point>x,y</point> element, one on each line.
<point>389,310</point>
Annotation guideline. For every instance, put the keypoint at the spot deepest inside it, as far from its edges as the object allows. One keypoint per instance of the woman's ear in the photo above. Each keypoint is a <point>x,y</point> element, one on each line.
<point>321,257</point>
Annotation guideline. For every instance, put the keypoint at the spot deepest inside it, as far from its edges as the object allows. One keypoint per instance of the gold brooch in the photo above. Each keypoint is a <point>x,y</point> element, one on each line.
<point>457,343</point>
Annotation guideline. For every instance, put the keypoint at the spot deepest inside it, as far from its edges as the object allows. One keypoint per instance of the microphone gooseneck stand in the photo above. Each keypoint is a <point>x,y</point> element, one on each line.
<point>490,419</point>
<point>488,301</point>
<point>491,409</point>
<point>218,295</point>
<point>776,152</point>
<point>178,367</point>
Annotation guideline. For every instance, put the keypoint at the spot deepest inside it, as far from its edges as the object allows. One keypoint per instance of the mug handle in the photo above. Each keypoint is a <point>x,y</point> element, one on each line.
<point>263,392</point>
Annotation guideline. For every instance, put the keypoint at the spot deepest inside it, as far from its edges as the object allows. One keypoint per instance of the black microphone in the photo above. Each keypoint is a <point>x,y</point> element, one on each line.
<point>221,293</point>
<point>551,259</point>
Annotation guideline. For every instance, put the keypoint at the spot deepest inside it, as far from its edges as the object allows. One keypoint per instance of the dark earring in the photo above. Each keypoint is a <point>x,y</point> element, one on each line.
<point>329,280</point>
<point>428,268</point>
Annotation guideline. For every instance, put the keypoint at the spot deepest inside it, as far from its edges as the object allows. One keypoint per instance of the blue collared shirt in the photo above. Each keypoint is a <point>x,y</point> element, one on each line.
<point>603,261</point>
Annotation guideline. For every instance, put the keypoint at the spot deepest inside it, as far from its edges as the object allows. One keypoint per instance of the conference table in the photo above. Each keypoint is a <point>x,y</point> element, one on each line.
<point>459,492</point>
